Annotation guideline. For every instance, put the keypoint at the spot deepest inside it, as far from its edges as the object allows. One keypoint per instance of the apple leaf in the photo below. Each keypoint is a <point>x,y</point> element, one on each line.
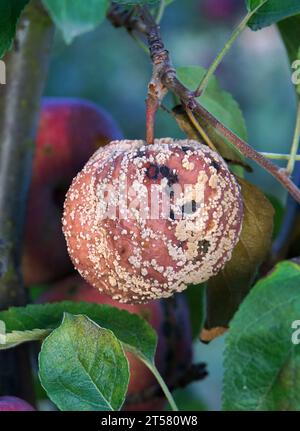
<point>14,338</point>
<point>227,289</point>
<point>75,17</point>
<point>83,367</point>
<point>133,331</point>
<point>262,365</point>
<point>290,31</point>
<point>271,12</point>
<point>9,14</point>
<point>222,105</point>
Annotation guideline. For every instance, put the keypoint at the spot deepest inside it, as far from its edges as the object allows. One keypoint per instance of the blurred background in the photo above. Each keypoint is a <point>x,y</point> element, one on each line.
<point>108,67</point>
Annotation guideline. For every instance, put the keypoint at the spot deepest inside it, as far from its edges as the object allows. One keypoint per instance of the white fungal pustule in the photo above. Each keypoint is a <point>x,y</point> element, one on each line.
<point>143,221</point>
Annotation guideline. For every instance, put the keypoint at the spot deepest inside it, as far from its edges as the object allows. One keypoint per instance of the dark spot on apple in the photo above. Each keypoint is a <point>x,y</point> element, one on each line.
<point>170,175</point>
<point>152,172</point>
<point>189,208</point>
<point>140,154</point>
<point>165,171</point>
<point>122,251</point>
<point>215,165</point>
<point>203,246</point>
<point>173,179</point>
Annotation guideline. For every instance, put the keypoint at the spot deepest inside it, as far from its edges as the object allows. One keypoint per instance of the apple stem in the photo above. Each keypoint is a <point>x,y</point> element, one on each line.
<point>163,385</point>
<point>156,89</point>
<point>26,65</point>
<point>194,373</point>
<point>152,105</point>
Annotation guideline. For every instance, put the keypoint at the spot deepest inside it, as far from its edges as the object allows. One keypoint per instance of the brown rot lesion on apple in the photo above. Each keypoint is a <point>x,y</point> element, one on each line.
<point>187,244</point>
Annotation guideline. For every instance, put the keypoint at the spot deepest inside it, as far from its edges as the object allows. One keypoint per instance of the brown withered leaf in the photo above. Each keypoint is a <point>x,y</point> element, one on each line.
<point>185,124</point>
<point>227,289</point>
<point>209,334</point>
<point>224,148</point>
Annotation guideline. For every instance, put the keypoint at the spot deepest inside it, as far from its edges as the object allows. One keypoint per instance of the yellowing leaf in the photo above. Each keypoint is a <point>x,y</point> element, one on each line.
<point>227,289</point>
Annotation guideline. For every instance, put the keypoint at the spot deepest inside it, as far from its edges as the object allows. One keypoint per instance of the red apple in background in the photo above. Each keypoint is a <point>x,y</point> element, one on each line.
<point>170,319</point>
<point>69,132</point>
<point>13,404</point>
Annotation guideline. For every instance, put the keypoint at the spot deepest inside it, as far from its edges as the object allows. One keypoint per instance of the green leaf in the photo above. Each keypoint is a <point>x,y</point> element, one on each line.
<point>271,12</point>
<point>195,295</point>
<point>133,331</point>
<point>223,106</point>
<point>75,17</point>
<point>290,31</point>
<point>83,367</point>
<point>227,289</point>
<point>15,338</point>
<point>219,102</point>
<point>9,14</point>
<point>262,365</point>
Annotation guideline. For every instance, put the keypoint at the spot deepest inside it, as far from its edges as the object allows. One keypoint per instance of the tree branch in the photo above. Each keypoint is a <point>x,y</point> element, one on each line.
<point>166,74</point>
<point>27,66</point>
